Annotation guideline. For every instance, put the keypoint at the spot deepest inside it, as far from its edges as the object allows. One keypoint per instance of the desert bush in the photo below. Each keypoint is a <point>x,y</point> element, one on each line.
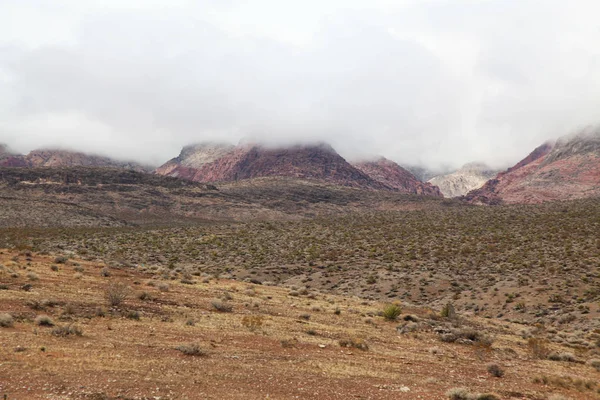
<point>495,370</point>
<point>132,314</point>
<point>252,322</point>
<point>67,330</point>
<point>569,357</point>
<point>356,343</point>
<point>54,268</point>
<point>6,321</point>
<point>105,272</point>
<point>69,309</point>
<point>448,311</point>
<point>467,336</point>
<point>458,394</point>
<point>143,296</point>
<point>32,276</point>
<point>61,260</point>
<point>464,394</point>
<point>44,320</point>
<point>391,312</point>
<point>595,363</point>
<point>288,343</point>
<point>192,350</point>
<point>163,287</point>
<point>221,306</point>
<point>116,293</point>
<point>538,347</point>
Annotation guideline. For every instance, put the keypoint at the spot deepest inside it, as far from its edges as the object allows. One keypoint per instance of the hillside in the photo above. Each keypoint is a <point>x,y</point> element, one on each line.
<point>394,176</point>
<point>86,196</point>
<point>63,158</point>
<point>569,169</point>
<point>301,309</point>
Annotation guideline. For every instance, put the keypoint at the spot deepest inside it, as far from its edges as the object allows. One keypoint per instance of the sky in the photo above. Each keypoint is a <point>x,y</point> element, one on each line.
<point>436,83</point>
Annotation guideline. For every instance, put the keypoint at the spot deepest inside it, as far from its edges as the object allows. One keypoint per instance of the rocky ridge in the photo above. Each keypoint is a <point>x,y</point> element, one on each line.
<point>458,183</point>
<point>566,170</point>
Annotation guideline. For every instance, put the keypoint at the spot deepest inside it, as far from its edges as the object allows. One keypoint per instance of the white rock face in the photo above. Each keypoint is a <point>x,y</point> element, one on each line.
<point>195,156</point>
<point>470,176</point>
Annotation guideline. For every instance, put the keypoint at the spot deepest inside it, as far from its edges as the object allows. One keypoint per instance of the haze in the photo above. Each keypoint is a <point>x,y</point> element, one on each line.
<point>421,82</point>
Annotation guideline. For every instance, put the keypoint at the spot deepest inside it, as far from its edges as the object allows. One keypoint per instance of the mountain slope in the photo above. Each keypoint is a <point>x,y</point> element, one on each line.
<point>470,176</point>
<point>56,158</point>
<point>569,169</point>
<point>393,175</point>
<point>207,163</point>
<point>10,159</point>
<point>66,158</point>
<point>194,157</point>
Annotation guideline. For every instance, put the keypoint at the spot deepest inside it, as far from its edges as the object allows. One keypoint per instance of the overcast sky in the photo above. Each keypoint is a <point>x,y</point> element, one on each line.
<point>431,82</point>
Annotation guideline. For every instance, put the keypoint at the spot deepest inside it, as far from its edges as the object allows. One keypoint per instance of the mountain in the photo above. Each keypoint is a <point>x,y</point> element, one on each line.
<point>194,157</point>
<point>566,170</point>
<point>393,175</point>
<point>224,163</point>
<point>421,173</point>
<point>10,159</point>
<point>66,158</point>
<point>458,183</point>
<point>55,158</point>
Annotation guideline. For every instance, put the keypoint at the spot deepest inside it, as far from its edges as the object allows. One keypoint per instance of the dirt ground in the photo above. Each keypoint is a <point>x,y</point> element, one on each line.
<point>274,343</point>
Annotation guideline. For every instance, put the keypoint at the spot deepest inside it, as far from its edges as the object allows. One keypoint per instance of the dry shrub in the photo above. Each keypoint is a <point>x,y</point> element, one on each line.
<point>44,320</point>
<point>538,347</point>
<point>6,321</point>
<point>495,370</point>
<point>356,343</point>
<point>252,322</point>
<point>221,306</point>
<point>116,293</point>
<point>67,330</point>
<point>192,349</point>
<point>464,394</point>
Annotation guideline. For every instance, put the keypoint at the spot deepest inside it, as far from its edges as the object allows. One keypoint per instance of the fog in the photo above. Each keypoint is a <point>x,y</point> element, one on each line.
<point>434,83</point>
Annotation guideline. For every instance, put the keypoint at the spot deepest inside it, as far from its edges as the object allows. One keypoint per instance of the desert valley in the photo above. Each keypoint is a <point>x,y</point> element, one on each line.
<point>259,272</point>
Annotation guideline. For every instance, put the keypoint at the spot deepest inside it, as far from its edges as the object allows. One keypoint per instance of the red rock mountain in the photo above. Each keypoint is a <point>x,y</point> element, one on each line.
<point>10,159</point>
<point>393,175</point>
<point>566,170</point>
<point>63,158</point>
<point>221,163</point>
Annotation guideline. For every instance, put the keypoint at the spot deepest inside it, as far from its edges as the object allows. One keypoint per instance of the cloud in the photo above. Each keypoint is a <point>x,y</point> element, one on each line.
<point>430,82</point>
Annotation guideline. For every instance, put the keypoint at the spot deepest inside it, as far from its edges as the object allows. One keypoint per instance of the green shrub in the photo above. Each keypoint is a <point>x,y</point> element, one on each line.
<point>391,312</point>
